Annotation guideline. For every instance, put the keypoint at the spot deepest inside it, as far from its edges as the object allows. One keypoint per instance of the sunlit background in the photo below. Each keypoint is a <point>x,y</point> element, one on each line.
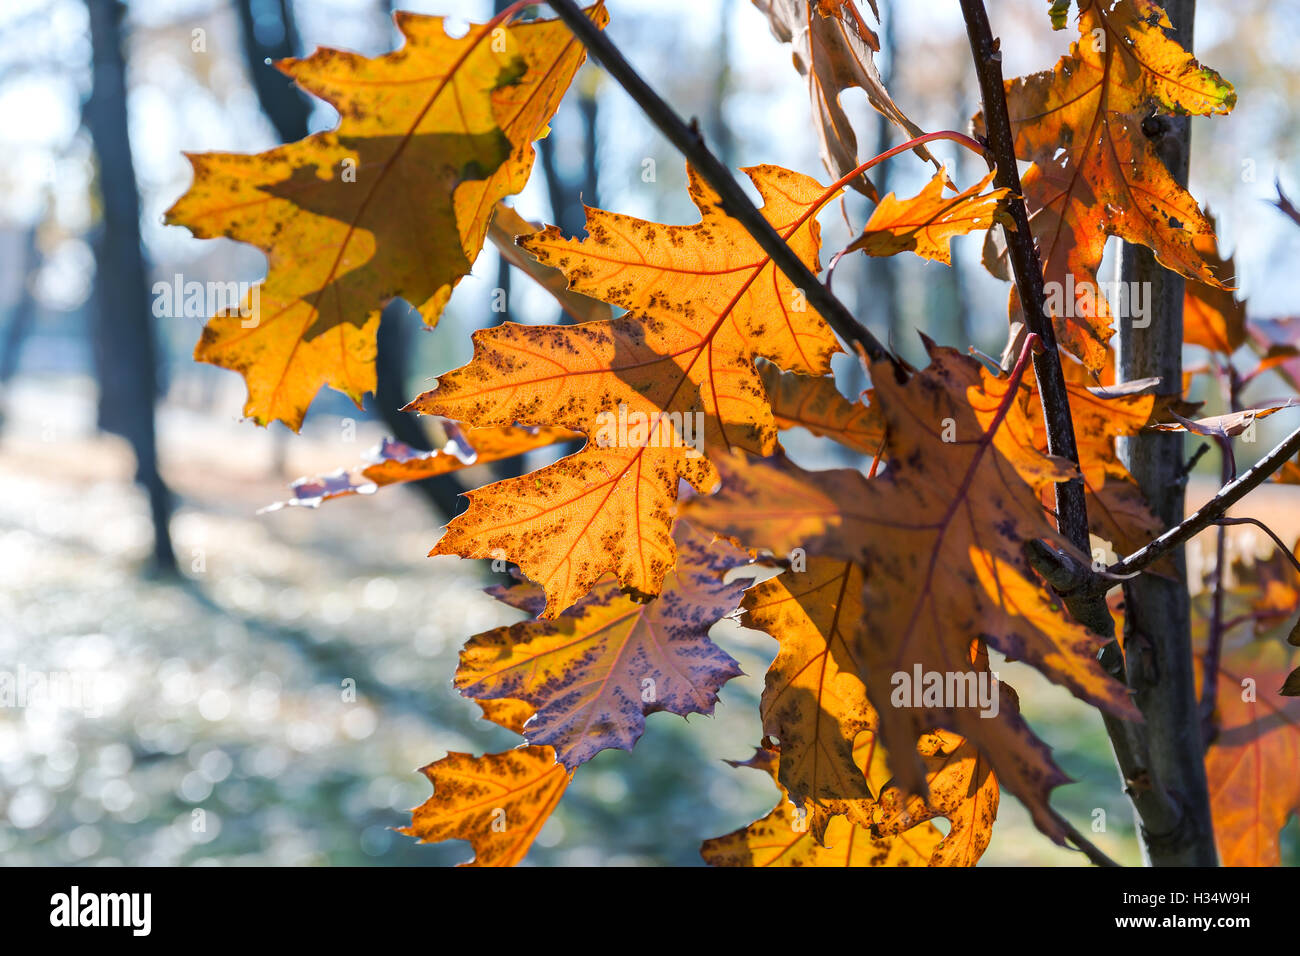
<point>213,723</point>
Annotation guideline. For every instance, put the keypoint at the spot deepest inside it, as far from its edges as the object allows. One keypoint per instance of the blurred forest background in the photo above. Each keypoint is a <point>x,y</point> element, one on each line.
<point>220,641</point>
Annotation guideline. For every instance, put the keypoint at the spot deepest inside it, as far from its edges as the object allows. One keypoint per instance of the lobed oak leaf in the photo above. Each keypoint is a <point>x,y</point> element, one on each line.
<point>1096,172</point>
<point>659,390</point>
<point>393,202</point>
<point>814,701</point>
<point>783,837</point>
<point>926,223</point>
<point>498,802</point>
<point>595,672</point>
<point>941,534</point>
<point>962,788</point>
<point>835,50</point>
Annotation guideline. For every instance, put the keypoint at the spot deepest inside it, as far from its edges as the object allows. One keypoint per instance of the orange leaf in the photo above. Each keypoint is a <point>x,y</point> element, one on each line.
<point>498,802</point>
<point>783,837</point>
<point>393,202</point>
<point>963,789</point>
<point>1213,318</point>
<point>653,389</point>
<point>1251,766</point>
<point>941,534</point>
<point>814,701</point>
<point>926,223</point>
<point>1096,172</point>
<point>1117,511</point>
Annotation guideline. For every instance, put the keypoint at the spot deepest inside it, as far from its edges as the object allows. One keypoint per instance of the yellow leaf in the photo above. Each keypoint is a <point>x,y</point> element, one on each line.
<point>657,391</point>
<point>926,223</point>
<point>498,802</point>
<point>783,838</point>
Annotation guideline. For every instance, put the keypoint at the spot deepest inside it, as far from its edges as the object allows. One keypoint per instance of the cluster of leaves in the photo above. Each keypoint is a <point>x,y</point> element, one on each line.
<point>629,551</point>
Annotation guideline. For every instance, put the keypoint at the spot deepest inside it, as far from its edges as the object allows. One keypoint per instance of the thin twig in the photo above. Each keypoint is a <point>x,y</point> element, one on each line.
<point>1084,846</point>
<point>1281,546</point>
<point>734,202</point>
<point>1212,510</point>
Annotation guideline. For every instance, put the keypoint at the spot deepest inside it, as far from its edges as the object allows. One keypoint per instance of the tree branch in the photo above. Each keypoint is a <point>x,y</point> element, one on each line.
<point>1071,511</point>
<point>1210,512</point>
<point>734,202</point>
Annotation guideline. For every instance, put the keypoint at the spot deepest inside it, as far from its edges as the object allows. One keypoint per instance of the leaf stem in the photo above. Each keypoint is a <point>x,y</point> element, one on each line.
<point>733,200</point>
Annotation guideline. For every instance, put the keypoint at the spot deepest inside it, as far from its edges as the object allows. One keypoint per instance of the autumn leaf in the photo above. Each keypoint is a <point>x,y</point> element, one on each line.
<point>941,533</point>
<point>395,462</point>
<point>926,223</point>
<point>672,378</point>
<point>498,802</point>
<point>1227,425</point>
<point>1096,172</point>
<point>963,789</point>
<point>814,701</point>
<point>1117,511</point>
<point>393,202</point>
<point>835,50</point>
<point>814,403</point>
<point>783,837</point>
<point>1254,788</point>
<point>594,673</point>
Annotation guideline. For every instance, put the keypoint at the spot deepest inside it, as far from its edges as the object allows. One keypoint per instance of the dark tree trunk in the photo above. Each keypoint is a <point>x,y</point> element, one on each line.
<point>125,348</point>
<point>1157,638</point>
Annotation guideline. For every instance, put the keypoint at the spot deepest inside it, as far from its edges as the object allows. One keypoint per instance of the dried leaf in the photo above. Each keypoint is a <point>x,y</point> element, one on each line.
<point>652,389</point>
<point>595,672</point>
<point>394,202</point>
<point>926,223</point>
<point>783,838</point>
<point>835,50</point>
<point>498,802</point>
<point>393,462</point>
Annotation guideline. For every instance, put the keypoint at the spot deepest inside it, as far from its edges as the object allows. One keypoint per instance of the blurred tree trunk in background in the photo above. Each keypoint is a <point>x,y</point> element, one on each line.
<point>22,314</point>
<point>268,32</point>
<point>124,346</point>
<point>879,302</point>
